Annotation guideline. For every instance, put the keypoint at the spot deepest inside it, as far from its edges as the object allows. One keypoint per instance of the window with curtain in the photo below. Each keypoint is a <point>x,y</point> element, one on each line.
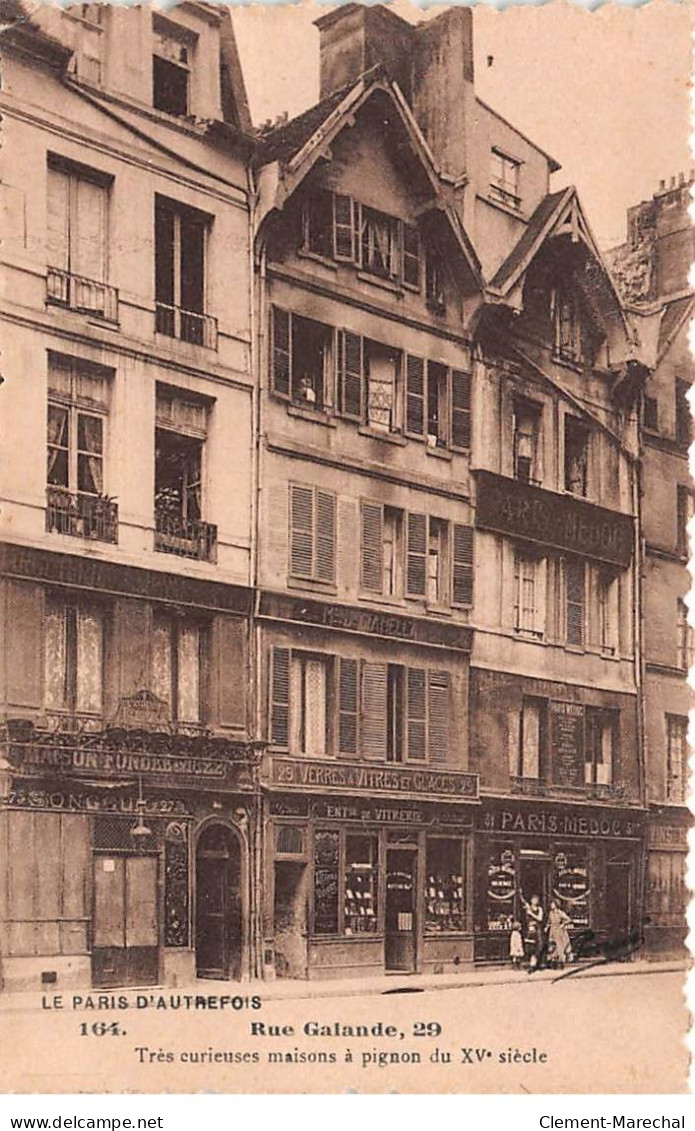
<point>73,656</point>
<point>76,427</point>
<point>176,666</point>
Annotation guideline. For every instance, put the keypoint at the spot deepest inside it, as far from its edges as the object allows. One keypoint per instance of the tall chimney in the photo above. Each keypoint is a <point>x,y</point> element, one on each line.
<point>443,96</point>
<point>354,38</point>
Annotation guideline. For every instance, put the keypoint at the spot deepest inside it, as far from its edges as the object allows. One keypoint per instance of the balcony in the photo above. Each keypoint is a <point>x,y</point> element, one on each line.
<point>186,325</point>
<point>185,537</point>
<point>84,295</point>
<point>81,516</point>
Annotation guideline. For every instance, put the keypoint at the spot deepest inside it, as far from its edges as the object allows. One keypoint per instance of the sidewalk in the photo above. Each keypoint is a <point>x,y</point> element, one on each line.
<point>288,989</point>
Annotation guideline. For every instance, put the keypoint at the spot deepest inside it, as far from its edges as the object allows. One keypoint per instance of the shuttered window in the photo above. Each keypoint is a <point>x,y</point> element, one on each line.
<point>282,352</point>
<point>414,395</point>
<point>76,223</point>
<point>462,565</point>
<point>374,711</point>
<point>460,409</point>
<point>416,555</point>
<point>439,715</point>
<point>312,533</point>
<point>344,228</point>
<point>371,556</point>
<point>350,374</point>
<point>416,712</point>
<point>575,591</point>
<point>348,706</point>
<point>280,697</point>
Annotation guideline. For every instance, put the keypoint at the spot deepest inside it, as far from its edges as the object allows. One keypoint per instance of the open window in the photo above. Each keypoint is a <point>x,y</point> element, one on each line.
<point>576,456</point>
<point>599,747</point>
<point>437,423</point>
<point>527,431</point>
<point>171,75</point>
<point>567,324</point>
<point>180,255</point>
<point>181,426</point>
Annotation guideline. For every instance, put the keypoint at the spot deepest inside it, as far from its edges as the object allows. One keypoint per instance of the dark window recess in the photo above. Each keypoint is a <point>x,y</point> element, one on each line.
<point>395,714</point>
<point>411,256</point>
<point>683,417</point>
<point>576,456</point>
<point>527,418</point>
<point>169,86</point>
<point>300,353</point>
<point>437,404</point>
<point>650,414</point>
<point>178,462</point>
<point>180,273</point>
<point>318,223</point>
<point>435,294</point>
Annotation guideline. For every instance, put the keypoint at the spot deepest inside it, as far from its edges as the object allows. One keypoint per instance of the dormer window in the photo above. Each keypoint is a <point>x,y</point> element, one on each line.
<point>171,75</point>
<point>567,325</point>
<point>504,178</point>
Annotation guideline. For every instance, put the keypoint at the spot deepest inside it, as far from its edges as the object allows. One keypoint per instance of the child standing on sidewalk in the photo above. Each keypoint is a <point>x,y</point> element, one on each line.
<point>516,944</point>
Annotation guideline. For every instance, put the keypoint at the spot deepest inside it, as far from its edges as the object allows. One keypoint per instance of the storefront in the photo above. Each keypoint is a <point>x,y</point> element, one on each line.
<point>127,859</point>
<point>368,869</point>
<point>666,896</point>
<point>586,858</point>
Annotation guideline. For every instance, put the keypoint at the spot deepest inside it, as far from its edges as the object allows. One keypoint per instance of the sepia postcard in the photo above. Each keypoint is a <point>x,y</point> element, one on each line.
<point>344,509</point>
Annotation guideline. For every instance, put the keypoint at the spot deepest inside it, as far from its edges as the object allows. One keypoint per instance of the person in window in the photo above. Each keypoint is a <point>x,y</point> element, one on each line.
<point>534,932</point>
<point>307,392</point>
<point>559,945</point>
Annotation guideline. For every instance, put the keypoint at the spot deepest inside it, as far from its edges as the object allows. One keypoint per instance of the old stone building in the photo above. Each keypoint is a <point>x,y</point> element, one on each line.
<point>127,462</point>
<point>652,270</point>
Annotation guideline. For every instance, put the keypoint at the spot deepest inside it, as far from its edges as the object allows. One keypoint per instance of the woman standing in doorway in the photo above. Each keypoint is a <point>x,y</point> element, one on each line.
<point>559,945</point>
<point>534,931</point>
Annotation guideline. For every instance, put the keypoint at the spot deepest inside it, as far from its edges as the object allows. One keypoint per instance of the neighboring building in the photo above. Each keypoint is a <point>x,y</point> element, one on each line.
<point>127,462</point>
<point>447,524</point>
<point>652,270</point>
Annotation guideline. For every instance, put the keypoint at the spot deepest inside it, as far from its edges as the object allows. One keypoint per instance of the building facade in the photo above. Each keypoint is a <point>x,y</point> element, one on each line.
<point>130,782</point>
<point>652,270</point>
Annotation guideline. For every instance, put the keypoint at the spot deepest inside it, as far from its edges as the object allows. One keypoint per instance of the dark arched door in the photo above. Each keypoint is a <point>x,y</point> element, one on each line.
<point>218,904</point>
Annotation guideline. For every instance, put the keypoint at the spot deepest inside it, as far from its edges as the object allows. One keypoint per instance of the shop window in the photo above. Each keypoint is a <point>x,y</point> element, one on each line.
<point>501,889</point>
<point>667,893</point>
<point>575,601</point>
<point>676,758</point>
<point>382,369</point>
<point>608,611</point>
<point>180,253</point>
<point>177,666</point>
<point>529,595</point>
<point>504,178</point>
<point>527,421</point>
<point>435,292</point>
<point>683,415</point>
<point>73,656</point>
<point>576,456</point>
<point>567,321</point>
<point>312,534</point>
<point>326,882</point>
<point>684,512</point>
<point>445,898</point>
<point>170,74</point>
<point>685,638</point>
<point>360,913</point>
<point>599,748</point>
<point>532,730</point>
<point>650,414</point>
<point>571,884</point>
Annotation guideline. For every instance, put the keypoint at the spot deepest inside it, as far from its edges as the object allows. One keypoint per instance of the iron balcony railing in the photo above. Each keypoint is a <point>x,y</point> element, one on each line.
<point>185,537</point>
<point>186,325</point>
<point>81,516</point>
<point>88,296</point>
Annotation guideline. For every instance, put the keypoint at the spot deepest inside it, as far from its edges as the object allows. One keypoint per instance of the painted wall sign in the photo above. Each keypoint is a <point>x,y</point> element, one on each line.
<point>121,762</point>
<point>366,621</point>
<point>512,507</point>
<point>668,836</point>
<point>295,773</point>
<point>77,801</point>
<point>370,812</point>
<point>567,743</point>
<point>567,823</point>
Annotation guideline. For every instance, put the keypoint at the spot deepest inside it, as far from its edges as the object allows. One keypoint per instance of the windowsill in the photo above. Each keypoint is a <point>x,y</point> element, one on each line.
<point>388,437</point>
<point>313,415</point>
<point>326,587</point>
<point>316,257</point>
<point>438,453</point>
<point>385,599</point>
<point>576,495</point>
<point>517,213</point>
<point>529,635</point>
<point>438,610</point>
<point>380,281</point>
<point>574,363</point>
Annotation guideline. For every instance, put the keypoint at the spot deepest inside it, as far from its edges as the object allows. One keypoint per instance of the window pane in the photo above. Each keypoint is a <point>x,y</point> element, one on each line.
<point>314,720</point>
<point>361,884</point>
<point>57,471</point>
<point>55,655</point>
<point>89,660</point>
<point>189,674</point>
<point>501,890</point>
<point>444,895</point>
<point>90,466</point>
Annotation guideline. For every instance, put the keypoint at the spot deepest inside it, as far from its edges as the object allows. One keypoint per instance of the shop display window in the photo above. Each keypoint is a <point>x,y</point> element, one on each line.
<point>326,874</point>
<point>361,884</point>
<point>571,885</point>
<point>445,904</point>
<point>501,889</point>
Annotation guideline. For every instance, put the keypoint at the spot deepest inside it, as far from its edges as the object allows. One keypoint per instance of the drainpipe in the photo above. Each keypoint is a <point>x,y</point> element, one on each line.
<point>640,659</point>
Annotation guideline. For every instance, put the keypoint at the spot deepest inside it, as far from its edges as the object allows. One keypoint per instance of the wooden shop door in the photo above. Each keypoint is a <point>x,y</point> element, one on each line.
<point>218,904</point>
<point>617,911</point>
<point>400,909</point>
<point>125,935</point>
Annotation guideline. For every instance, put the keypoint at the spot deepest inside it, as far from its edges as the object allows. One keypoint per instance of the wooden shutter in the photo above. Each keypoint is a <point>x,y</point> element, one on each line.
<point>416,713</point>
<point>325,536</point>
<point>229,647</point>
<point>574,580</point>
<point>371,557</point>
<point>350,374</point>
<point>88,230</point>
<point>301,531</point>
<point>416,555</point>
<point>374,710</point>
<point>282,352</point>
<point>347,706</point>
<point>411,256</point>
<point>439,714</point>
<point>343,228</point>
<point>414,395</point>
<point>462,565</point>
<point>280,697</point>
<point>58,212</point>
<point>460,409</point>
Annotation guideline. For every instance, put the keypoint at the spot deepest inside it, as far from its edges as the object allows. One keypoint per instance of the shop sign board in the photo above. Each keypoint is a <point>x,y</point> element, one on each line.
<point>445,785</point>
<point>386,813</point>
<point>567,823</point>
<point>107,762</point>
<point>668,836</point>
<point>567,743</point>
<point>87,801</point>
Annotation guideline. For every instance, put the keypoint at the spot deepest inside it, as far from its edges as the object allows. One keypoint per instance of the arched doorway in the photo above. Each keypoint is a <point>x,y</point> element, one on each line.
<point>218,903</point>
